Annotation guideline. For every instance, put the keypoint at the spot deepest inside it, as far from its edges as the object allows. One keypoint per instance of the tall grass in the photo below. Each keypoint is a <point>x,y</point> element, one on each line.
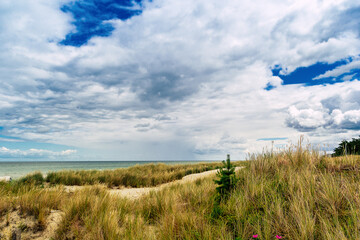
<point>5,201</point>
<point>39,203</point>
<point>297,193</point>
<point>137,176</point>
<point>11,193</point>
<point>177,212</point>
<point>90,212</point>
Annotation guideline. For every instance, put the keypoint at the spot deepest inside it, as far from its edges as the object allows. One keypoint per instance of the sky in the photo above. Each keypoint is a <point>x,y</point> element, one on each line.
<point>175,79</point>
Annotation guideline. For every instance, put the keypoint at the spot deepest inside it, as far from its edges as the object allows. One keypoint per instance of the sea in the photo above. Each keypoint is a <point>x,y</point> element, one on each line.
<point>19,169</point>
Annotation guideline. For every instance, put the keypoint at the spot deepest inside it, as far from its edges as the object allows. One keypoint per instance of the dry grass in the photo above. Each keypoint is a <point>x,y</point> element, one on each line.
<point>138,176</point>
<point>91,213</point>
<point>297,193</point>
<point>177,212</point>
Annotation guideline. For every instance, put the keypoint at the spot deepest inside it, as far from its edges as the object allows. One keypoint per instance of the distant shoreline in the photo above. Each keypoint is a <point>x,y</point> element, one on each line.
<point>18,169</point>
<point>117,161</point>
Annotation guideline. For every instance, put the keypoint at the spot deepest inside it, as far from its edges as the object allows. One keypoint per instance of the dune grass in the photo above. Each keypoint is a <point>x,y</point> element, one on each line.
<point>177,212</point>
<point>137,176</point>
<point>297,193</point>
<point>32,195</point>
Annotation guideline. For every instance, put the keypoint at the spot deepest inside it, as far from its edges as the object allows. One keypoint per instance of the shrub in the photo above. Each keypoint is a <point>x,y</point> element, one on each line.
<point>348,148</point>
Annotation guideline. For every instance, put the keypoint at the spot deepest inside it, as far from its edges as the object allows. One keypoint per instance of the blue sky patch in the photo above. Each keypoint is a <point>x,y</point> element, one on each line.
<point>5,141</point>
<point>309,76</point>
<point>89,17</point>
<point>3,137</point>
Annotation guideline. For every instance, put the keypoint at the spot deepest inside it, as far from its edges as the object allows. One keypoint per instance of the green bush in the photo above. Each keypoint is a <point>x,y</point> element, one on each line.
<point>348,148</point>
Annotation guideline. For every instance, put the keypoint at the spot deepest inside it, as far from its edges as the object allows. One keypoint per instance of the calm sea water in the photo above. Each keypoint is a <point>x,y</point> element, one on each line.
<point>19,169</point>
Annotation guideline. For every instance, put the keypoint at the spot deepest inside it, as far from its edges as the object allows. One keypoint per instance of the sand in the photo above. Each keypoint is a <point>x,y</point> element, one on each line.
<point>30,228</point>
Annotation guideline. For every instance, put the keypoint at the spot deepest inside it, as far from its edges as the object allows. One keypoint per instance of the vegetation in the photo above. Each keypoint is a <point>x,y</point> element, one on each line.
<point>348,148</point>
<point>296,194</point>
<point>138,176</point>
<point>226,183</point>
<point>34,178</point>
<point>227,179</point>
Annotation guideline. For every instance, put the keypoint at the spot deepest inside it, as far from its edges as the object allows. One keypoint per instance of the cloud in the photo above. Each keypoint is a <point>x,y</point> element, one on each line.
<point>7,139</point>
<point>333,111</point>
<point>220,146</point>
<point>194,71</point>
<point>33,153</point>
<point>144,127</point>
<point>306,119</point>
<point>346,120</point>
<point>343,69</point>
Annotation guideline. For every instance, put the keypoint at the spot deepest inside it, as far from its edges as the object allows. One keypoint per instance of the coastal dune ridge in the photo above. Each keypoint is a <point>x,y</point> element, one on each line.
<point>294,193</point>
<point>30,222</point>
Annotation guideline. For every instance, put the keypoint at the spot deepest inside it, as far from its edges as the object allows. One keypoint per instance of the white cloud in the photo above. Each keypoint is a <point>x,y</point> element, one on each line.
<point>348,117</point>
<point>335,108</point>
<point>33,153</point>
<point>347,68</point>
<point>307,118</point>
<point>200,65</point>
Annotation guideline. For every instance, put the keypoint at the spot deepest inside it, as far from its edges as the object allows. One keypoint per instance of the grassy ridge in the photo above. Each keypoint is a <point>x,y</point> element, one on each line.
<point>30,195</point>
<point>297,194</point>
<point>137,176</point>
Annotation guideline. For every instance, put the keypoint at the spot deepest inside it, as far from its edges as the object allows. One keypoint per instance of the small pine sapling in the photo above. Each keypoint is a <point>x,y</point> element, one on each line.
<point>226,183</point>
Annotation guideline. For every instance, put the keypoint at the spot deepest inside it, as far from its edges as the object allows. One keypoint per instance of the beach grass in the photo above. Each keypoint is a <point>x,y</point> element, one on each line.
<point>297,193</point>
<point>146,175</point>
